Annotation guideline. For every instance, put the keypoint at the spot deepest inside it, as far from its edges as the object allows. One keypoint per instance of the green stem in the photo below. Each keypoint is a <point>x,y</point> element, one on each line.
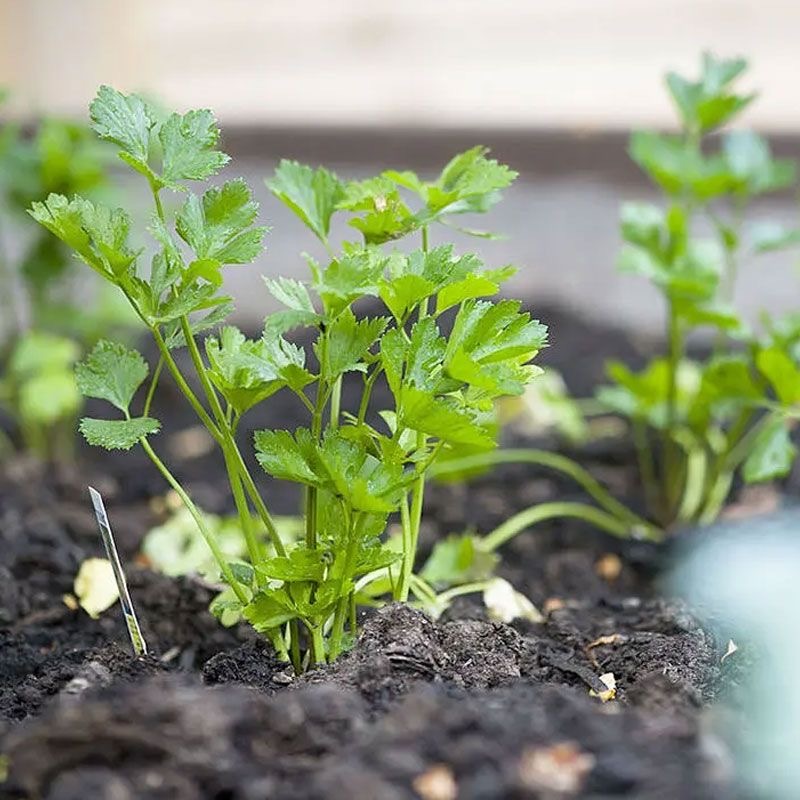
<point>553,461</point>
<point>184,386</point>
<point>153,384</point>
<point>448,596</point>
<point>323,393</point>
<point>354,529</point>
<point>243,510</point>
<point>647,469</point>
<point>539,513</point>
<point>413,517</point>
<point>317,643</point>
<point>336,403</point>
<point>694,485</point>
<point>294,635</point>
<point>367,393</point>
<point>406,566</point>
<point>423,590</point>
<point>197,516</point>
<point>740,442</point>
<point>671,453</point>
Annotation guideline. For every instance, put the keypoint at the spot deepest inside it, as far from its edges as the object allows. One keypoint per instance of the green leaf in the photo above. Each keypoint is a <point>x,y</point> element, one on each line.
<point>677,167</point>
<point>375,556</point>
<point>645,394</point>
<point>384,215</point>
<point>458,559</point>
<point>782,373</point>
<point>292,293</point>
<point>227,608</point>
<point>356,273</point>
<point>348,342</point>
<point>301,564</point>
<point>189,144</point>
<point>312,194</point>
<point>709,103</point>
<point>403,293</point>
<point>729,377</point>
<point>772,455</point>
<point>468,288</point>
<point>749,159</point>
<point>218,227</point>
<point>188,300</point>
<point>491,345</point>
<point>37,352</point>
<point>442,418</point>
<point>268,609</point>
<point>470,182</point>
<point>644,225</point>
<point>111,372</point>
<point>299,310</point>
<point>117,434</point>
<point>424,355</point>
<point>98,234</point>
<point>125,120</point>
<point>337,464</point>
<point>285,456</point>
<point>247,372</point>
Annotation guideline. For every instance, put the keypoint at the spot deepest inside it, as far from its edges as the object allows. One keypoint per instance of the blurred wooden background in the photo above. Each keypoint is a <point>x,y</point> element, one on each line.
<point>446,63</point>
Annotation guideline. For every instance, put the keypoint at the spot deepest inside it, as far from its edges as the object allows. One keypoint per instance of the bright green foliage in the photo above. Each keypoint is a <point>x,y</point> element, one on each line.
<point>358,466</point>
<point>697,422</point>
<point>39,390</point>
<point>111,372</point>
<point>357,471</point>
<point>246,372</point>
<point>114,373</point>
<point>218,227</point>
<point>117,434</point>
<point>125,120</point>
<point>469,183</point>
<point>313,194</point>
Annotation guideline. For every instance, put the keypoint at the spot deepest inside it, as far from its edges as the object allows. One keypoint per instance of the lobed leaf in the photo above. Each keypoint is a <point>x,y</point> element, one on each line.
<point>188,144</point>
<point>312,194</point>
<point>111,372</point>
<point>117,434</point>
<point>125,120</point>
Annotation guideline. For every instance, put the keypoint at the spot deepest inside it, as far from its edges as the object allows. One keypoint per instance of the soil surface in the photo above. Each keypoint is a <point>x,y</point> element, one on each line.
<point>461,707</point>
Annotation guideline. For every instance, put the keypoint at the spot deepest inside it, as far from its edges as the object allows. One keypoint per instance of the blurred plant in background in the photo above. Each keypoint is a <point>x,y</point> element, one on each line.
<point>696,423</point>
<point>50,315</point>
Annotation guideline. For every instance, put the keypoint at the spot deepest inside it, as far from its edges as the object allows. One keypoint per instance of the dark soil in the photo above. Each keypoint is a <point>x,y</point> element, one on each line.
<point>461,707</point>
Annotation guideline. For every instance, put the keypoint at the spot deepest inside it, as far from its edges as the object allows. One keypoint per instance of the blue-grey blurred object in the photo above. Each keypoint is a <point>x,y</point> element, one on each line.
<point>746,576</point>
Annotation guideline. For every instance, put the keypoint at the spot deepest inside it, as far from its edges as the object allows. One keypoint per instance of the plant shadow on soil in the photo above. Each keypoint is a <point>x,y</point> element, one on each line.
<point>461,707</point>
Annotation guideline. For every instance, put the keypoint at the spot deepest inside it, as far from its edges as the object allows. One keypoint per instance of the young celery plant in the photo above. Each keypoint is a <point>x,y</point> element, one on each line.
<point>708,418</point>
<point>356,474</point>
<point>360,468</point>
<point>176,298</point>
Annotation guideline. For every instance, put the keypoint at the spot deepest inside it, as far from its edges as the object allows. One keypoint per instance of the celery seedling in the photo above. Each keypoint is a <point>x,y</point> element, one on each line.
<point>696,422</point>
<point>358,469</point>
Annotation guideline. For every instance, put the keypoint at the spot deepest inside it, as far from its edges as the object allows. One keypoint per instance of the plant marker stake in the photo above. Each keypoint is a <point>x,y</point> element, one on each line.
<point>135,632</point>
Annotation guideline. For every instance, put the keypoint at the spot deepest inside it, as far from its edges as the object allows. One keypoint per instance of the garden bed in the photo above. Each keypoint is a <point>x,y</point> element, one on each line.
<point>460,707</point>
